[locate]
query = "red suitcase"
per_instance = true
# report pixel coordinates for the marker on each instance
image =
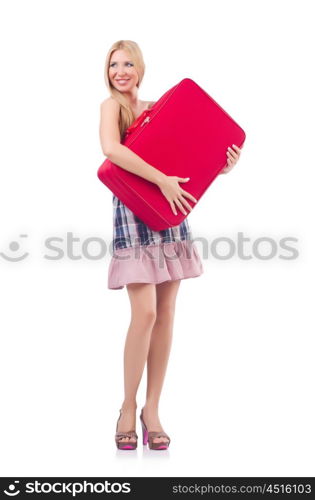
(185, 133)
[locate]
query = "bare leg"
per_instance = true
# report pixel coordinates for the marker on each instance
(143, 314)
(160, 346)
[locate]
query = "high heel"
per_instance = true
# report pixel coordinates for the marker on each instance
(125, 445)
(148, 436)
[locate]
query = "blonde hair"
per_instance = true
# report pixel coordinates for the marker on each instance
(126, 116)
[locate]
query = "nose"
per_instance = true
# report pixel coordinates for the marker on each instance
(120, 70)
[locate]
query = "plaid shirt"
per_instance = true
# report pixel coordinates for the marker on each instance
(130, 231)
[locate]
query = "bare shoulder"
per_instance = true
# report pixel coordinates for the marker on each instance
(109, 103)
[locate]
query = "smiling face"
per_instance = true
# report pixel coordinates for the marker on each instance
(122, 73)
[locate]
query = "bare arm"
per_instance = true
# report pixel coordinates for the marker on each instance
(118, 153)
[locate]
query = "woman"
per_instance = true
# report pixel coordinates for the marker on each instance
(150, 263)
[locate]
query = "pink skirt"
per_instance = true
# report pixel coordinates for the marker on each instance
(154, 264)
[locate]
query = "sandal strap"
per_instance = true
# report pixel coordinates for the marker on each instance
(126, 434)
(158, 434)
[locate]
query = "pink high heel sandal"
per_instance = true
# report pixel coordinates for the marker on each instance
(125, 445)
(148, 436)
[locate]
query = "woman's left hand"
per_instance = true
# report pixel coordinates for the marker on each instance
(233, 156)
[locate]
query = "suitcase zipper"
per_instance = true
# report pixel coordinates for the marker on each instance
(147, 119)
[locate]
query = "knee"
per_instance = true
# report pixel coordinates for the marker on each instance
(149, 315)
(146, 316)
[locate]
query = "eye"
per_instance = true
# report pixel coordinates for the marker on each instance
(112, 64)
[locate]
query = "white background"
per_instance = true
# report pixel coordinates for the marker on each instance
(238, 398)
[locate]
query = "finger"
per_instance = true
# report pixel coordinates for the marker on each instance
(183, 179)
(185, 203)
(233, 160)
(232, 153)
(178, 203)
(173, 208)
(229, 157)
(230, 164)
(188, 195)
(237, 148)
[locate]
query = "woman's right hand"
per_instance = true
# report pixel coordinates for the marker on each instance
(175, 194)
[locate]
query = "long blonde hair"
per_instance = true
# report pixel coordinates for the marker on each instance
(126, 116)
